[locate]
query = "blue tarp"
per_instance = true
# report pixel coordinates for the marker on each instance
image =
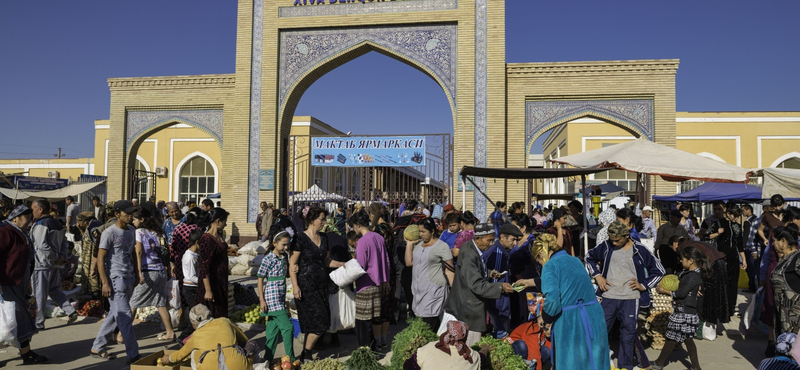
(711, 191)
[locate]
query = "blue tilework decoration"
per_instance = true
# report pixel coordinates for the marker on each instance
(208, 120)
(432, 46)
(481, 81)
(541, 116)
(372, 7)
(255, 110)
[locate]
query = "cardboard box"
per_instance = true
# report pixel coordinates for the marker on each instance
(185, 366)
(150, 362)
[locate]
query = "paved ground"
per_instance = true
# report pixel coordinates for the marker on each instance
(68, 347)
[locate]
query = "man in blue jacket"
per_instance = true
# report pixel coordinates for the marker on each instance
(627, 270)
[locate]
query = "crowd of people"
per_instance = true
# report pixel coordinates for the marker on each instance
(524, 278)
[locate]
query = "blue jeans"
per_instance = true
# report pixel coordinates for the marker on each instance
(120, 316)
(500, 322)
(752, 271)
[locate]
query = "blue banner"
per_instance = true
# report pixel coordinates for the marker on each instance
(40, 183)
(382, 151)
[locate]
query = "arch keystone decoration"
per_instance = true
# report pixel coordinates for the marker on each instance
(633, 115)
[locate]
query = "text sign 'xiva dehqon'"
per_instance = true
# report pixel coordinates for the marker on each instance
(394, 151)
(320, 2)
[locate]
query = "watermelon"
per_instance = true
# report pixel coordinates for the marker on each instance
(670, 282)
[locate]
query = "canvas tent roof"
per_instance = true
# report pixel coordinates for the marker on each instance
(528, 173)
(60, 194)
(647, 157)
(783, 181)
(315, 193)
(711, 191)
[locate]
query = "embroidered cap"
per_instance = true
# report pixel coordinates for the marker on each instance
(484, 229)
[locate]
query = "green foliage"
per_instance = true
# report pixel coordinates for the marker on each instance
(406, 342)
(329, 363)
(670, 282)
(362, 359)
(501, 355)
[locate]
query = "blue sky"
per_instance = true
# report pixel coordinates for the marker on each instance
(56, 57)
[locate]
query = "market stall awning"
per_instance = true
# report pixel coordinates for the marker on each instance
(529, 173)
(711, 191)
(59, 194)
(783, 181)
(646, 157)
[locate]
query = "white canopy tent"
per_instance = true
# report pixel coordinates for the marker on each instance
(58, 194)
(646, 157)
(784, 181)
(316, 194)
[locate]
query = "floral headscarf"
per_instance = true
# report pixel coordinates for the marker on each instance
(606, 218)
(455, 336)
(544, 244)
(784, 343)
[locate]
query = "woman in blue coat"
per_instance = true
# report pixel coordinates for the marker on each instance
(580, 338)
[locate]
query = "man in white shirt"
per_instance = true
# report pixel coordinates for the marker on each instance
(72, 213)
(649, 230)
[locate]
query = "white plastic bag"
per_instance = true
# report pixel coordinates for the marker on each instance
(709, 331)
(173, 293)
(343, 310)
(446, 317)
(174, 318)
(747, 318)
(346, 275)
(8, 323)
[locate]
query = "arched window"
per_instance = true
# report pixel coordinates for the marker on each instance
(792, 162)
(196, 180)
(142, 182)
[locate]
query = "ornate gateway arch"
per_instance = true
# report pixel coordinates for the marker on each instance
(283, 46)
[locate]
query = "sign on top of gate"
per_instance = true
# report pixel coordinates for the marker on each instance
(382, 151)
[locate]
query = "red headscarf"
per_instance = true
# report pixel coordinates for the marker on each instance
(455, 336)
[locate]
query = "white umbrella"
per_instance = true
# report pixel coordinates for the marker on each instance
(647, 157)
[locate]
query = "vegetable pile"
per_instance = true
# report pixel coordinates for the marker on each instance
(329, 363)
(406, 342)
(501, 355)
(362, 359)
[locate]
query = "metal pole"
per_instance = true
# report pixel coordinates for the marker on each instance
(585, 222)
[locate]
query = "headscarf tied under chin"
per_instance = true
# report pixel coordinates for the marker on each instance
(200, 315)
(543, 246)
(606, 218)
(455, 336)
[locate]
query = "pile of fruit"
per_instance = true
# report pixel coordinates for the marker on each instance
(148, 314)
(501, 355)
(329, 363)
(406, 342)
(285, 363)
(656, 324)
(250, 315)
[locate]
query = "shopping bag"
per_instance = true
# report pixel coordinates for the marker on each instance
(346, 275)
(709, 331)
(749, 314)
(8, 324)
(343, 310)
(446, 317)
(173, 294)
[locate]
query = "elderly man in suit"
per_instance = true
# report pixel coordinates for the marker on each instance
(471, 286)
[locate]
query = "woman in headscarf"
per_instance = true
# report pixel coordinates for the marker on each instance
(450, 352)
(580, 339)
(16, 264)
(606, 218)
(783, 359)
(215, 344)
(90, 282)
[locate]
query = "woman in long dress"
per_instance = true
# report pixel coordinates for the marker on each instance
(432, 274)
(580, 339)
(310, 281)
(212, 265)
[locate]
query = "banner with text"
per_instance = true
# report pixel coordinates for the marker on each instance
(384, 151)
